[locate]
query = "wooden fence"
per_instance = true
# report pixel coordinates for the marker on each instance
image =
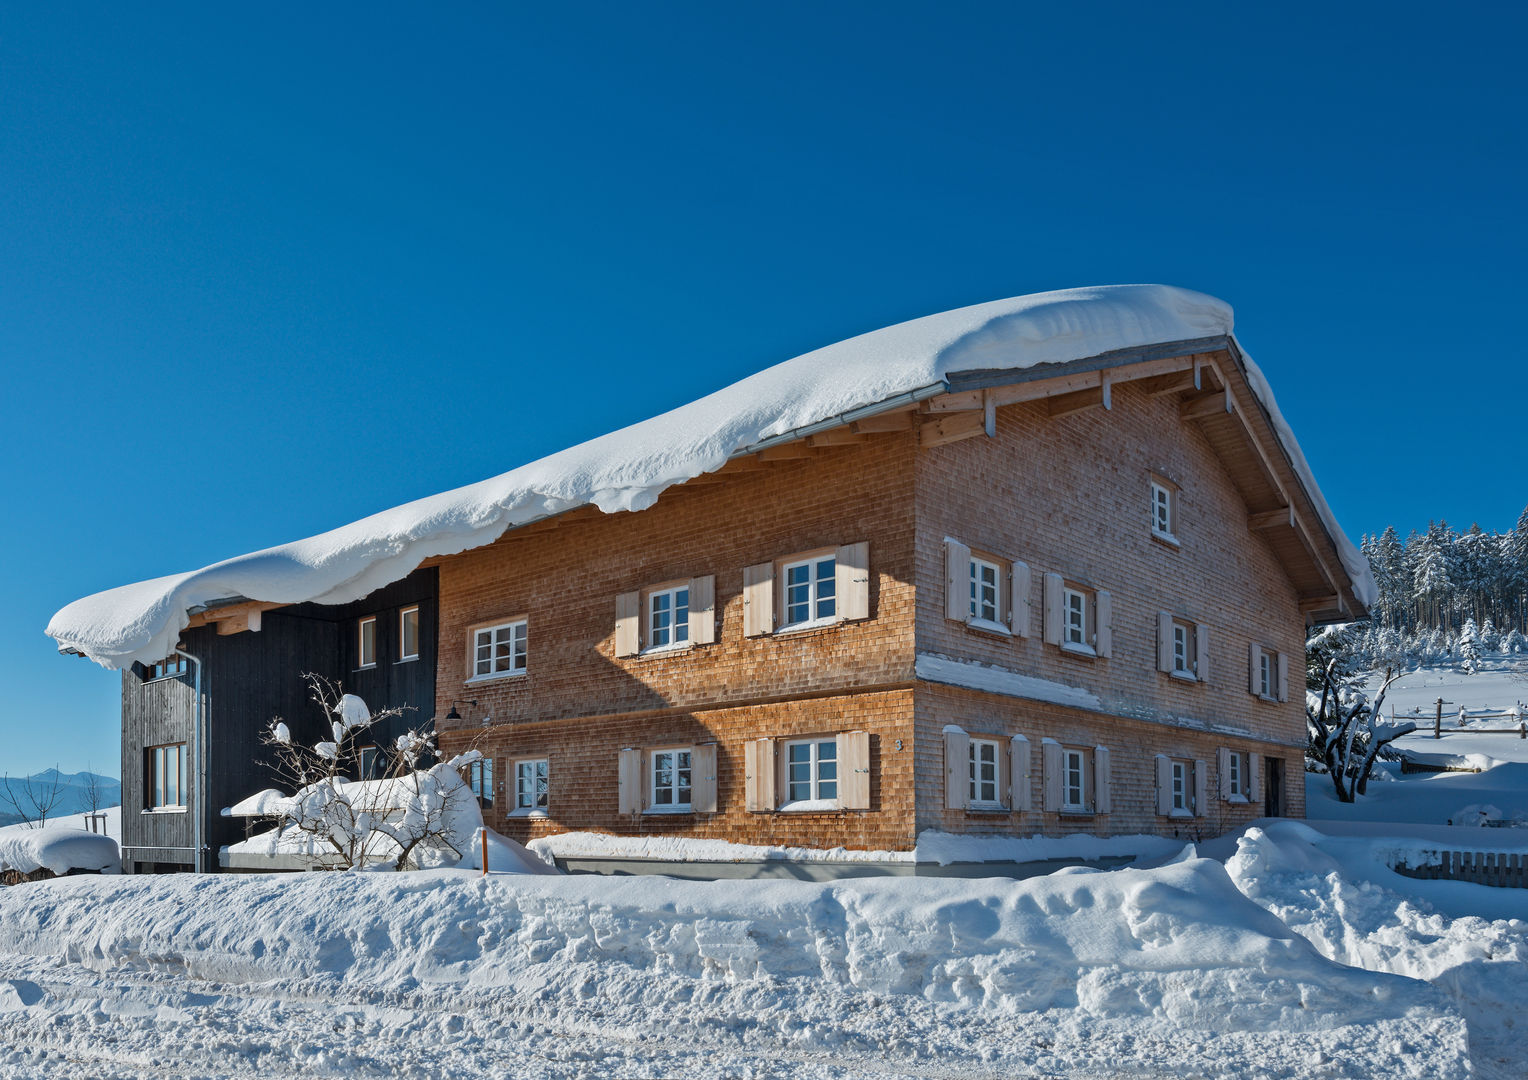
(1507, 870)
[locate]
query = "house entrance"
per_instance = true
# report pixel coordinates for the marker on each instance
(1273, 801)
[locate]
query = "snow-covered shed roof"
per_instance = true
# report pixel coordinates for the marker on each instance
(628, 469)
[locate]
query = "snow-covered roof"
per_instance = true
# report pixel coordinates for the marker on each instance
(628, 469)
(59, 848)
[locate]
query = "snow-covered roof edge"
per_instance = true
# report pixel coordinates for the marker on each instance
(628, 469)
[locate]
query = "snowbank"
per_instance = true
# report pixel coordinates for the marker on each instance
(629, 468)
(59, 848)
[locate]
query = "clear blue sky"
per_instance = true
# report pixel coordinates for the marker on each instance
(265, 269)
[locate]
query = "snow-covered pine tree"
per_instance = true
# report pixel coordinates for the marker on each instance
(1469, 647)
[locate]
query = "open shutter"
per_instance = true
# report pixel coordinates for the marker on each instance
(957, 580)
(1103, 799)
(1223, 760)
(1202, 652)
(852, 578)
(758, 600)
(1018, 773)
(854, 792)
(1164, 641)
(1201, 786)
(630, 781)
(1018, 601)
(1283, 676)
(759, 775)
(1254, 662)
(627, 638)
(703, 778)
(1050, 775)
(1164, 785)
(1053, 586)
(1103, 639)
(703, 610)
(1255, 778)
(957, 769)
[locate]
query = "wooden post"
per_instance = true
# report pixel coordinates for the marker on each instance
(1438, 721)
(485, 850)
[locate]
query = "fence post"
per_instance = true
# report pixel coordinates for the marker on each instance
(1438, 721)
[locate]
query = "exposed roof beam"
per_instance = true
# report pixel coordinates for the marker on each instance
(951, 427)
(1205, 405)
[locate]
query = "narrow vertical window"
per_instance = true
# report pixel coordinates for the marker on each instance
(1238, 784)
(1180, 791)
(480, 780)
(1265, 674)
(167, 776)
(1161, 510)
(408, 634)
(985, 605)
(531, 784)
(984, 772)
(1075, 613)
(1074, 773)
(366, 644)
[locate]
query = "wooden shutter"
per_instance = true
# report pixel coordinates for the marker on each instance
(1165, 785)
(703, 610)
(1223, 757)
(1018, 774)
(703, 778)
(1201, 785)
(1254, 658)
(1255, 778)
(1283, 676)
(851, 573)
(758, 600)
(630, 781)
(1053, 586)
(1164, 641)
(1050, 775)
(1103, 639)
(1201, 652)
(854, 749)
(1103, 799)
(957, 769)
(627, 620)
(759, 775)
(957, 580)
(1018, 602)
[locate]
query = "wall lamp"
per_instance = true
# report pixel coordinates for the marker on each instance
(453, 714)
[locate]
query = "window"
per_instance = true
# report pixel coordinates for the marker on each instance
(811, 771)
(1236, 774)
(531, 785)
(668, 617)
(985, 606)
(1267, 680)
(480, 780)
(408, 634)
(1078, 618)
(1074, 624)
(1182, 662)
(1182, 790)
(1074, 779)
(167, 777)
(671, 776)
(499, 650)
(810, 591)
(366, 645)
(984, 772)
(1268, 674)
(171, 667)
(1163, 510)
(366, 762)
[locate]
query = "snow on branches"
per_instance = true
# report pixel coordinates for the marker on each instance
(1347, 731)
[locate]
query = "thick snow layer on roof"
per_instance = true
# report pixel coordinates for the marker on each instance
(628, 469)
(59, 848)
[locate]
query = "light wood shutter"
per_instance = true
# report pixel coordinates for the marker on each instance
(1223, 760)
(851, 573)
(1018, 603)
(630, 781)
(703, 778)
(703, 610)
(1164, 785)
(1201, 786)
(1018, 773)
(1164, 641)
(1255, 778)
(1283, 676)
(627, 620)
(759, 775)
(1103, 798)
(957, 769)
(1103, 639)
(758, 600)
(1254, 664)
(1201, 652)
(1054, 584)
(854, 792)
(1050, 775)
(957, 580)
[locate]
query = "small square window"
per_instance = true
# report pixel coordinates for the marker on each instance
(810, 591)
(811, 770)
(408, 634)
(668, 617)
(366, 642)
(531, 785)
(499, 650)
(671, 780)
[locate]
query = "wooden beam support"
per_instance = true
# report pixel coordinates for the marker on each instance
(1203, 406)
(1324, 602)
(794, 451)
(964, 401)
(891, 421)
(233, 619)
(951, 427)
(1272, 519)
(1046, 388)
(836, 437)
(1174, 383)
(1078, 401)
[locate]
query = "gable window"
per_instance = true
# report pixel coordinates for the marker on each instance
(1164, 510)
(408, 633)
(668, 617)
(480, 780)
(811, 771)
(984, 769)
(1075, 767)
(366, 642)
(531, 785)
(499, 650)
(810, 592)
(166, 777)
(171, 667)
(985, 606)
(671, 780)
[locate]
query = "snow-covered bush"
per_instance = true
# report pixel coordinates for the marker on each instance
(1346, 730)
(1514, 643)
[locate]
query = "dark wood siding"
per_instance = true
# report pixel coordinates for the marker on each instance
(154, 713)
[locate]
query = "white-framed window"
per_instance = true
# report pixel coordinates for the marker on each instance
(1076, 766)
(1181, 772)
(365, 761)
(480, 780)
(531, 785)
(1074, 617)
(408, 633)
(366, 642)
(670, 780)
(1164, 511)
(985, 769)
(499, 650)
(810, 596)
(668, 617)
(167, 776)
(1236, 774)
(1183, 648)
(811, 771)
(986, 591)
(1268, 674)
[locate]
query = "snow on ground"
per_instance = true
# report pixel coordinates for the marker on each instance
(63, 844)
(1163, 972)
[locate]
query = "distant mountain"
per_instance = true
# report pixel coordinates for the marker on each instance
(74, 796)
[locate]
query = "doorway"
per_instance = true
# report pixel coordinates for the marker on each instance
(1273, 786)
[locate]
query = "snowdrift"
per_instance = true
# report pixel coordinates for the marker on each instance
(628, 469)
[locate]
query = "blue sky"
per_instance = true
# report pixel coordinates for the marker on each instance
(264, 270)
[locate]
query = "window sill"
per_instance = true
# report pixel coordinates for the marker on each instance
(1184, 676)
(988, 627)
(527, 812)
(405, 660)
(165, 810)
(1074, 649)
(495, 677)
(1180, 815)
(1076, 811)
(669, 810)
(665, 650)
(986, 808)
(1267, 699)
(366, 667)
(806, 806)
(802, 627)
(1167, 539)
(1240, 800)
